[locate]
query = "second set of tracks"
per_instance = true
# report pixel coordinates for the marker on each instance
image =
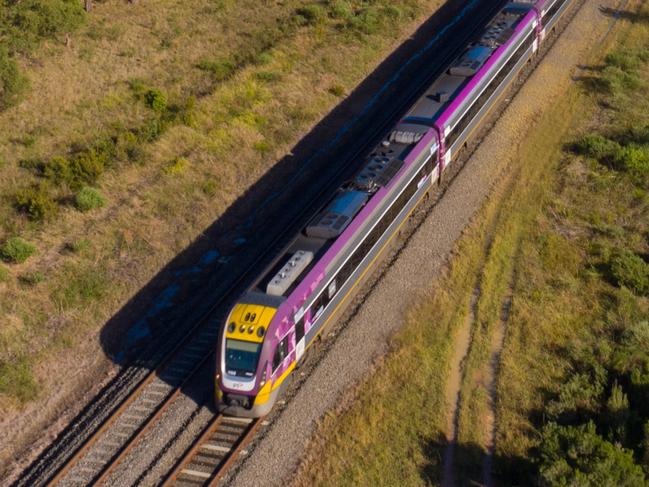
(97, 456)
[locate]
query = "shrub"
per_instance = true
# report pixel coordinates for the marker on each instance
(577, 455)
(156, 100)
(634, 159)
(340, 9)
(310, 15)
(28, 21)
(219, 69)
(78, 246)
(16, 250)
(631, 271)
(615, 80)
(32, 278)
(127, 147)
(12, 82)
(210, 187)
(88, 199)
(617, 414)
(151, 130)
(37, 202)
(84, 167)
(367, 21)
(337, 90)
(597, 147)
(177, 166)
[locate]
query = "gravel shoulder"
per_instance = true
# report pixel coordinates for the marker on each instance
(367, 336)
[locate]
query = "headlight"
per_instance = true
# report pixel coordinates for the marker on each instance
(262, 383)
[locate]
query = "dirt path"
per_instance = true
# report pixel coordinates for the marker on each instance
(453, 397)
(491, 381)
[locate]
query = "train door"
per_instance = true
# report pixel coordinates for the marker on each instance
(300, 339)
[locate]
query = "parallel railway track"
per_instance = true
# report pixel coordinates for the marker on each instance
(97, 457)
(208, 458)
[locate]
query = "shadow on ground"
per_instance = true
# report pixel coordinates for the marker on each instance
(631, 16)
(204, 279)
(469, 466)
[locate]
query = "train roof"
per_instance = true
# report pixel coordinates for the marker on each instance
(304, 264)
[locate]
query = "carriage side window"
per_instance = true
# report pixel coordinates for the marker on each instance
(280, 353)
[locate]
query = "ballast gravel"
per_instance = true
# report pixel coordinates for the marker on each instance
(365, 338)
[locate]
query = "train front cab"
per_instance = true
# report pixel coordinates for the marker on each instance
(244, 359)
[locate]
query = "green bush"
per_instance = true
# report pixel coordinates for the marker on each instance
(78, 246)
(88, 199)
(597, 147)
(156, 100)
(175, 167)
(340, 9)
(631, 271)
(37, 202)
(84, 167)
(616, 81)
(337, 90)
(12, 82)
(151, 130)
(16, 250)
(578, 456)
(26, 22)
(625, 60)
(219, 69)
(633, 159)
(310, 15)
(32, 278)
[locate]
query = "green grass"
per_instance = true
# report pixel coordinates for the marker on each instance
(89, 199)
(16, 250)
(17, 381)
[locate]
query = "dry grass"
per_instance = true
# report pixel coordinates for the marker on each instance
(239, 127)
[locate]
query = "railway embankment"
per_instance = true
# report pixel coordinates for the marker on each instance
(557, 358)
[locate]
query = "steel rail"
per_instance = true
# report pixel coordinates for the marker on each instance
(206, 452)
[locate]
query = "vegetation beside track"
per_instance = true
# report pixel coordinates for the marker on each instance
(108, 113)
(566, 238)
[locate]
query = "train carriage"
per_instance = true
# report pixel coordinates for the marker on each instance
(274, 323)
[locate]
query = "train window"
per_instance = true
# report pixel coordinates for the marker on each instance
(553, 10)
(379, 229)
(370, 240)
(489, 90)
(280, 353)
(299, 330)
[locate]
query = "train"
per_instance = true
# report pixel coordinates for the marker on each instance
(280, 316)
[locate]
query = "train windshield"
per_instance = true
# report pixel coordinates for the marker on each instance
(241, 357)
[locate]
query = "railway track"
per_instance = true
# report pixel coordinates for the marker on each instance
(97, 457)
(208, 458)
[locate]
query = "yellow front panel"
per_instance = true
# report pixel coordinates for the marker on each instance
(248, 317)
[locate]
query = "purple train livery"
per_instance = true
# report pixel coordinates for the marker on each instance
(280, 316)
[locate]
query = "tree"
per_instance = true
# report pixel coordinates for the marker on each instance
(577, 456)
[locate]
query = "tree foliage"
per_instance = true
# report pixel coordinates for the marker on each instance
(577, 456)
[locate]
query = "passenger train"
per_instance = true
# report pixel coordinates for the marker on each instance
(276, 321)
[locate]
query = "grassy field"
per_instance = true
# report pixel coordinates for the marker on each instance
(111, 112)
(563, 244)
